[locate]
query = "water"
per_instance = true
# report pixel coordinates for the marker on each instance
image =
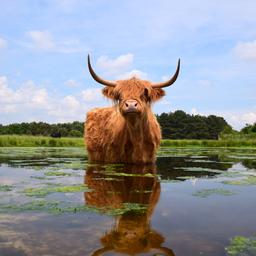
(192, 202)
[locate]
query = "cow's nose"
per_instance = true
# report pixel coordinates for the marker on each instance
(131, 105)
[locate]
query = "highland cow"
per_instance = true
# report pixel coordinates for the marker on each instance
(127, 132)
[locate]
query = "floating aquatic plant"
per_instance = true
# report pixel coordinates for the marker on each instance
(214, 191)
(58, 207)
(5, 188)
(57, 173)
(185, 177)
(250, 180)
(242, 246)
(38, 205)
(41, 192)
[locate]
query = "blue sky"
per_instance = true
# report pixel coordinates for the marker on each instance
(44, 44)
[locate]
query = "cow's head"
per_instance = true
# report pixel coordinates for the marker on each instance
(133, 96)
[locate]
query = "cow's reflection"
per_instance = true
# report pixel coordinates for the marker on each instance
(112, 188)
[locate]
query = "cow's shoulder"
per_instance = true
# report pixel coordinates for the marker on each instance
(100, 113)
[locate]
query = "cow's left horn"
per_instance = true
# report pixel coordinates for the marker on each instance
(170, 81)
(97, 78)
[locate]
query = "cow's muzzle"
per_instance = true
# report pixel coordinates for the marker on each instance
(131, 106)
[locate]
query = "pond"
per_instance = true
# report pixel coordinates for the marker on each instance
(192, 202)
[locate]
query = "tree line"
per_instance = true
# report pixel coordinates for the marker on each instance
(175, 125)
(249, 129)
(180, 125)
(74, 129)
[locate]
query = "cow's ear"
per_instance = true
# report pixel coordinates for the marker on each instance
(108, 92)
(156, 94)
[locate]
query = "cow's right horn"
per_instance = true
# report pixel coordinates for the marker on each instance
(97, 78)
(170, 81)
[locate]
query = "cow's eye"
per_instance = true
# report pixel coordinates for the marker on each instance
(117, 96)
(118, 99)
(146, 94)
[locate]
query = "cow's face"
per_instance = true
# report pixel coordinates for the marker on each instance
(133, 96)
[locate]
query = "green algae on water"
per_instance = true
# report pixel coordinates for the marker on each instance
(41, 192)
(41, 178)
(52, 207)
(58, 207)
(57, 173)
(38, 205)
(185, 177)
(127, 208)
(214, 191)
(5, 188)
(231, 174)
(248, 181)
(123, 174)
(241, 245)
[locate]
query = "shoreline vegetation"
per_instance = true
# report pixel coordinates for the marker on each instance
(43, 141)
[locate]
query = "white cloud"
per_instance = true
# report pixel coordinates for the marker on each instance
(44, 40)
(249, 117)
(40, 98)
(5, 92)
(3, 43)
(236, 119)
(41, 39)
(246, 50)
(194, 112)
(133, 73)
(120, 67)
(7, 108)
(239, 119)
(71, 103)
(67, 109)
(30, 102)
(115, 66)
(28, 94)
(90, 95)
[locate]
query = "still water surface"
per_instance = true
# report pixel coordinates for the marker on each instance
(192, 202)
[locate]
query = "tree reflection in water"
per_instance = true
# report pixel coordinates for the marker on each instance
(127, 185)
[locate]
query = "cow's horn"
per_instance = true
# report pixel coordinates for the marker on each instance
(170, 81)
(97, 78)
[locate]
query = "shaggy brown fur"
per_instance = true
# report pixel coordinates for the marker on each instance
(114, 136)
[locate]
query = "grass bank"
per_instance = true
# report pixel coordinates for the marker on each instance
(210, 143)
(41, 141)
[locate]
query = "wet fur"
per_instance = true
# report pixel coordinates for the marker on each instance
(112, 137)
